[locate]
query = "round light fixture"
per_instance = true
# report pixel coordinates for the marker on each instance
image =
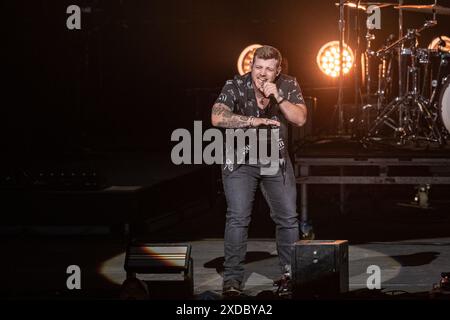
(328, 59)
(246, 58)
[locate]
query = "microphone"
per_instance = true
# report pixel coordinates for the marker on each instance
(272, 99)
(271, 96)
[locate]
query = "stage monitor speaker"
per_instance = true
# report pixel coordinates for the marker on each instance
(320, 268)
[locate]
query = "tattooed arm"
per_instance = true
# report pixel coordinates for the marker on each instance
(221, 116)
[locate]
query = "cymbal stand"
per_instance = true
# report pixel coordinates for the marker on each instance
(369, 56)
(400, 58)
(340, 101)
(385, 76)
(413, 108)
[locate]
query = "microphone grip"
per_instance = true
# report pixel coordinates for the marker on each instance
(272, 99)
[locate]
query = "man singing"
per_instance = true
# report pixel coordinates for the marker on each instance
(263, 98)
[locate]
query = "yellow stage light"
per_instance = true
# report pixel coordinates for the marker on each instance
(246, 58)
(328, 59)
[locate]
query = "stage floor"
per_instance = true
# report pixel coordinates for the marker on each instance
(36, 267)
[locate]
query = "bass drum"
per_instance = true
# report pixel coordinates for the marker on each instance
(444, 103)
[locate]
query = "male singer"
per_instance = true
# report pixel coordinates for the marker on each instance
(263, 98)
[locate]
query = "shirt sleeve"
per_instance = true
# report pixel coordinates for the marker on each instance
(229, 95)
(294, 93)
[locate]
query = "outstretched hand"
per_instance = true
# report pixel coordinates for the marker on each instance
(265, 122)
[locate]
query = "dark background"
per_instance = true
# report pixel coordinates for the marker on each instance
(139, 69)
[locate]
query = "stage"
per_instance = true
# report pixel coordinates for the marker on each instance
(409, 269)
(107, 140)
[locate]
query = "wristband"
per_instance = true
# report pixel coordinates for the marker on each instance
(283, 99)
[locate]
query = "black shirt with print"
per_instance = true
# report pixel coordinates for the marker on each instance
(239, 95)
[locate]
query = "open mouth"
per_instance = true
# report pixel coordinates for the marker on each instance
(261, 81)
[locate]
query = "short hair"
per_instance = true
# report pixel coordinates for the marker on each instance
(268, 52)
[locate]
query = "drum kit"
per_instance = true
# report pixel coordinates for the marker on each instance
(416, 108)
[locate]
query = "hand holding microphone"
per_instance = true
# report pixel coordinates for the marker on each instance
(270, 90)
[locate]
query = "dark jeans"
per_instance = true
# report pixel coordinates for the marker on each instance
(240, 187)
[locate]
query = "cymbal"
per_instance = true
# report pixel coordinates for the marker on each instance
(426, 9)
(364, 5)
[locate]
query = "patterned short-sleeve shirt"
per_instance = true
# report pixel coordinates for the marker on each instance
(239, 95)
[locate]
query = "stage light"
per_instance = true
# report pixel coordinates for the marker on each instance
(157, 258)
(150, 261)
(328, 59)
(246, 57)
(440, 43)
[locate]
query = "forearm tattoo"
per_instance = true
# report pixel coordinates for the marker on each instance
(229, 119)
